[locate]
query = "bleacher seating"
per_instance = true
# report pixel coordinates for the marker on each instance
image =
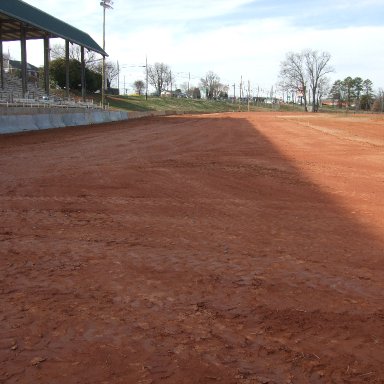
(13, 89)
(12, 95)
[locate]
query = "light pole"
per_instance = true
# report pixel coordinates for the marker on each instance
(106, 4)
(146, 78)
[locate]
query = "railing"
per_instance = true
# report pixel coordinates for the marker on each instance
(32, 103)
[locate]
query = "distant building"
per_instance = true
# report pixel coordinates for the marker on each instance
(13, 66)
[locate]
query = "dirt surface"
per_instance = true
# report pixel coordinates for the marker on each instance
(233, 248)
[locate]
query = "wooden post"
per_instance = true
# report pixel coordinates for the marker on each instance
(83, 84)
(23, 46)
(249, 93)
(1, 57)
(46, 64)
(67, 69)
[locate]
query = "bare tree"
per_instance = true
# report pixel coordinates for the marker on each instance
(223, 91)
(139, 86)
(58, 52)
(187, 88)
(111, 71)
(323, 89)
(170, 82)
(378, 104)
(316, 65)
(159, 76)
(300, 69)
(293, 75)
(212, 84)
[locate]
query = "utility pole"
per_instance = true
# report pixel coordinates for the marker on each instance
(241, 90)
(105, 4)
(249, 92)
(146, 78)
(257, 96)
(234, 92)
(118, 76)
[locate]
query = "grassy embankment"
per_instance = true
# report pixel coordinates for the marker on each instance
(138, 103)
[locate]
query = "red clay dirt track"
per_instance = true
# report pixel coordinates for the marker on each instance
(232, 248)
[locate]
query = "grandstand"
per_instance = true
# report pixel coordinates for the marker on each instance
(23, 104)
(11, 92)
(11, 95)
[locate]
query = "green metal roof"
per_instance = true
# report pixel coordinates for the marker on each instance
(15, 13)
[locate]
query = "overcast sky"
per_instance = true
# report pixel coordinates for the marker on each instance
(232, 38)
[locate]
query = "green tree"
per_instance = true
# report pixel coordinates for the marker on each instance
(353, 90)
(358, 88)
(337, 93)
(58, 75)
(58, 52)
(349, 90)
(196, 94)
(368, 95)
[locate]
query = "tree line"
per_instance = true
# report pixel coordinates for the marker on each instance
(304, 73)
(353, 92)
(160, 77)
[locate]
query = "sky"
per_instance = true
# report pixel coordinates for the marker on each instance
(236, 39)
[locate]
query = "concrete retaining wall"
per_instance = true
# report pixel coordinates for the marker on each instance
(37, 121)
(13, 123)
(34, 110)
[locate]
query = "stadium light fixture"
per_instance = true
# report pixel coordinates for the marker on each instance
(106, 4)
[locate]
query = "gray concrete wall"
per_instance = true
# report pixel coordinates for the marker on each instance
(12, 123)
(34, 110)
(36, 120)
